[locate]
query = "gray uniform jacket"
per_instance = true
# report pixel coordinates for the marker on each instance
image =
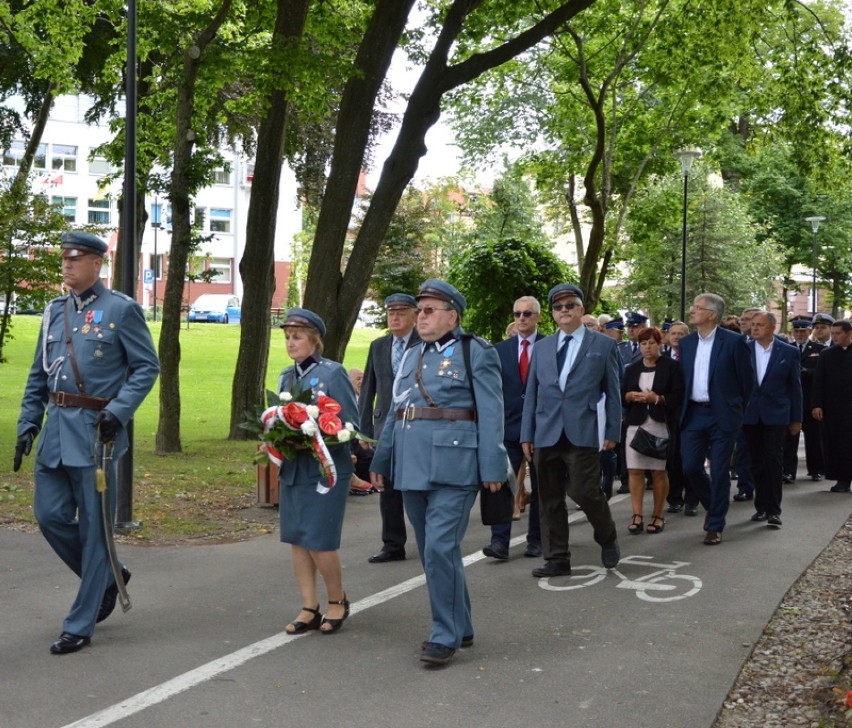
(116, 358)
(424, 454)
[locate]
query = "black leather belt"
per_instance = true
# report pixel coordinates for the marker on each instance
(66, 399)
(435, 413)
(700, 404)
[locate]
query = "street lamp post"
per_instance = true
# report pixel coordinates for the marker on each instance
(686, 158)
(815, 221)
(156, 223)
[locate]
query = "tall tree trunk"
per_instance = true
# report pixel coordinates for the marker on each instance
(257, 266)
(337, 296)
(168, 428)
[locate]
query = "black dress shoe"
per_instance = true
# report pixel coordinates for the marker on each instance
(552, 567)
(497, 550)
(68, 643)
(741, 495)
(623, 489)
(787, 479)
(436, 654)
(690, 510)
(774, 521)
(759, 516)
(110, 596)
(840, 487)
(384, 556)
(533, 551)
(610, 554)
(675, 508)
(816, 477)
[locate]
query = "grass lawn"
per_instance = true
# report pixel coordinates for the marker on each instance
(207, 492)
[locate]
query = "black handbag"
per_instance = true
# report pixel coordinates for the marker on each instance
(651, 445)
(496, 508)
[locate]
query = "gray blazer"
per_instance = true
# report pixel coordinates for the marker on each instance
(549, 411)
(375, 398)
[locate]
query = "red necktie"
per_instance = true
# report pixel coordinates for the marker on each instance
(524, 361)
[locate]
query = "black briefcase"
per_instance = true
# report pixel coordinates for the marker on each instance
(496, 508)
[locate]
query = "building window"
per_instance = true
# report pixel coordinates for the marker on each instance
(100, 166)
(99, 212)
(223, 266)
(156, 263)
(199, 218)
(220, 220)
(15, 153)
(67, 207)
(64, 157)
(221, 176)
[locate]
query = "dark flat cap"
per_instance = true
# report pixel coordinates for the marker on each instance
(443, 291)
(397, 300)
(304, 318)
(564, 289)
(79, 242)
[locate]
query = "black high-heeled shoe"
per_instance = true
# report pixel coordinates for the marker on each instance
(300, 627)
(336, 624)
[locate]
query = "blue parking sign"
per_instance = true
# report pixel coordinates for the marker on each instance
(148, 276)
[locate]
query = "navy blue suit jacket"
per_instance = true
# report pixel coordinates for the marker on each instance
(777, 400)
(513, 389)
(731, 379)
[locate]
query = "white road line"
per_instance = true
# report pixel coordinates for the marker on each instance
(180, 684)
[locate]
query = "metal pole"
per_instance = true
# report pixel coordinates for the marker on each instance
(124, 490)
(155, 223)
(813, 284)
(683, 251)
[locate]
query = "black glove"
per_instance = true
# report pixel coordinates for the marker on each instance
(23, 447)
(108, 426)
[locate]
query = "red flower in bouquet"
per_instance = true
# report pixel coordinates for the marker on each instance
(295, 414)
(329, 423)
(327, 405)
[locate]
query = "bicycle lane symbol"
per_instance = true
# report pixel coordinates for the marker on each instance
(663, 585)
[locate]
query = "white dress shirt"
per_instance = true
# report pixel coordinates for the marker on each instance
(701, 372)
(761, 360)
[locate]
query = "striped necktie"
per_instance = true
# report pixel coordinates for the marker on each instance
(398, 350)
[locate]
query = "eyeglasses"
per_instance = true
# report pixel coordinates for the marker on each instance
(429, 310)
(696, 307)
(525, 314)
(569, 306)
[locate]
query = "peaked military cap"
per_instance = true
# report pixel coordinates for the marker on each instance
(443, 291)
(564, 289)
(823, 318)
(304, 318)
(397, 300)
(634, 318)
(79, 242)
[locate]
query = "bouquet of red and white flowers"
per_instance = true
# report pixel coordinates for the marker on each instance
(296, 423)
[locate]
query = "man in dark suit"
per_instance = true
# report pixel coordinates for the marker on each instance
(561, 433)
(832, 405)
(719, 379)
(515, 355)
(629, 350)
(374, 402)
(773, 410)
(802, 327)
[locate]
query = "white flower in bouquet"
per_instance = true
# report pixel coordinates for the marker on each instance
(344, 435)
(285, 397)
(349, 426)
(313, 411)
(309, 428)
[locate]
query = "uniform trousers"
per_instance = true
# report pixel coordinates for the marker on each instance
(67, 508)
(439, 518)
(568, 469)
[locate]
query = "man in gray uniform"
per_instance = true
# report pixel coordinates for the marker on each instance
(94, 364)
(442, 442)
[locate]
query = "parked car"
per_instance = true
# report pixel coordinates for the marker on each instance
(221, 308)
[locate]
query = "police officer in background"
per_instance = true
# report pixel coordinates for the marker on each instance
(94, 364)
(442, 442)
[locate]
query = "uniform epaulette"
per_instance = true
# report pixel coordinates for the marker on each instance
(476, 337)
(121, 295)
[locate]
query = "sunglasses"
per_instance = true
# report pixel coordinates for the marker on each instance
(429, 310)
(569, 306)
(525, 314)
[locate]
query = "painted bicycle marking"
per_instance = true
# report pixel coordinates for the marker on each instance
(663, 585)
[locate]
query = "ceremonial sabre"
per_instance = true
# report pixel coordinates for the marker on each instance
(105, 449)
